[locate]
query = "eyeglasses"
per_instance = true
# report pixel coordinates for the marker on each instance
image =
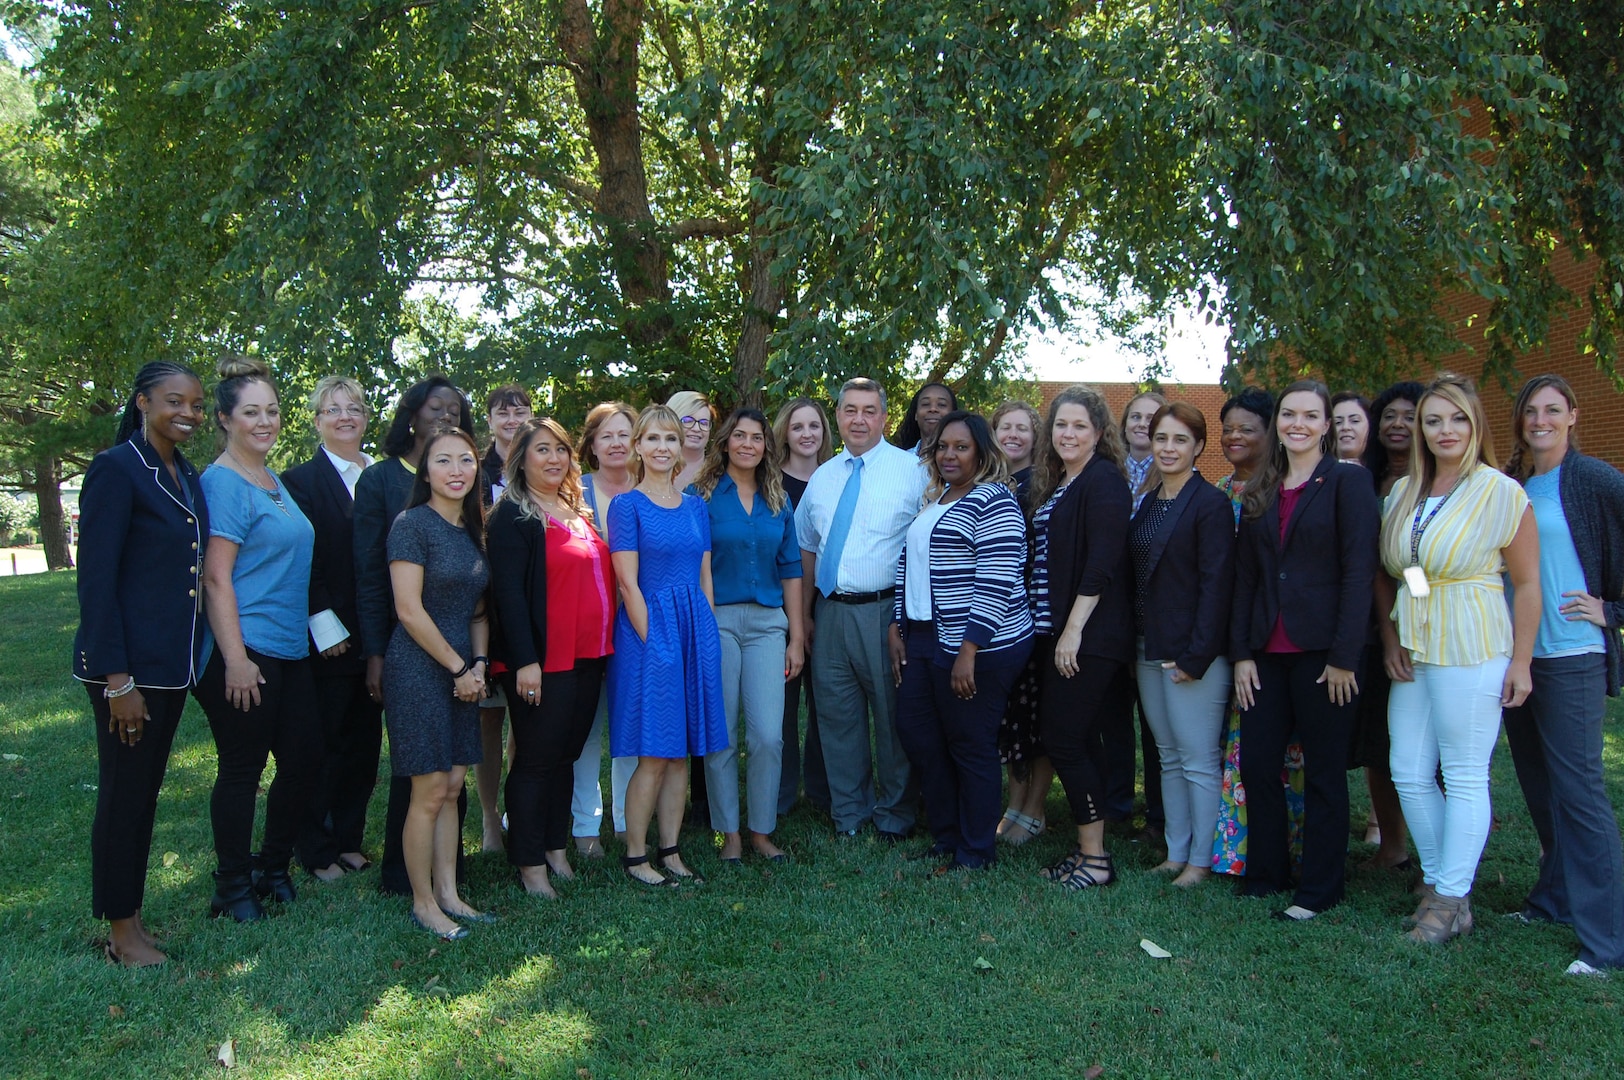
(696, 421)
(335, 411)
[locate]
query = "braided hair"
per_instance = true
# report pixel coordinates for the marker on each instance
(146, 379)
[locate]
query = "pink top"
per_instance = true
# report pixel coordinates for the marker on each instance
(1278, 641)
(580, 605)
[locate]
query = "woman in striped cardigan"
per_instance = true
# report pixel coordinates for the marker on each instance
(962, 617)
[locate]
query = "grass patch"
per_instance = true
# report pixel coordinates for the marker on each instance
(849, 961)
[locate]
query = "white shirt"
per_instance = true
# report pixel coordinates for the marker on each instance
(348, 471)
(893, 487)
(916, 582)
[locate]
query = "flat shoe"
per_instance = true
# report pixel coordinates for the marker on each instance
(481, 917)
(629, 861)
(355, 868)
(450, 935)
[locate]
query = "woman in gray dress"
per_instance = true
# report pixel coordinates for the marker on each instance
(434, 669)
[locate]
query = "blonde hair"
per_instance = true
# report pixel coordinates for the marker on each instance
(337, 384)
(654, 416)
(769, 481)
(685, 402)
(517, 490)
(1460, 392)
(595, 419)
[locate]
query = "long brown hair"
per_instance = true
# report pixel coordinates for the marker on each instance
(1519, 464)
(769, 478)
(1264, 486)
(1048, 468)
(517, 490)
(780, 431)
(473, 509)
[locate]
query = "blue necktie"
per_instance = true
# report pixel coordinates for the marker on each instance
(829, 563)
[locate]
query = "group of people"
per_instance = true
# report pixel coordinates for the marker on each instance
(1365, 588)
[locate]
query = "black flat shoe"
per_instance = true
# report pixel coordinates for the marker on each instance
(629, 861)
(684, 874)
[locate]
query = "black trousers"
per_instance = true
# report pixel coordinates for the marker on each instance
(548, 735)
(285, 724)
(952, 743)
(352, 736)
(127, 782)
(1070, 712)
(392, 878)
(1117, 733)
(1290, 702)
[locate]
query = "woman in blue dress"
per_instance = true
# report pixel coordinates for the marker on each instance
(665, 700)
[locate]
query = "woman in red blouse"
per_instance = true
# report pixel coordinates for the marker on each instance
(553, 587)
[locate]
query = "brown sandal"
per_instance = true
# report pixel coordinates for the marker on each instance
(1444, 918)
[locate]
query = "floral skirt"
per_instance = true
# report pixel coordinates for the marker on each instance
(1229, 842)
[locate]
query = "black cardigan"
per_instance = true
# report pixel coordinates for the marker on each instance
(1320, 579)
(140, 558)
(320, 492)
(1088, 556)
(380, 496)
(1191, 578)
(517, 548)
(1592, 494)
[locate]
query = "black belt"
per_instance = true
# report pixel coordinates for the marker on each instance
(861, 597)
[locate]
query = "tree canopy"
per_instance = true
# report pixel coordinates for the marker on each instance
(630, 196)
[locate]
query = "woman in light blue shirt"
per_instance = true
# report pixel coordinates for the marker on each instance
(257, 689)
(756, 572)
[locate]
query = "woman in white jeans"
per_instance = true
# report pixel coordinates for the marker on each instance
(1451, 528)
(756, 573)
(1182, 542)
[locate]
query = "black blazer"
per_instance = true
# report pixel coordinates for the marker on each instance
(380, 496)
(517, 548)
(1088, 556)
(1192, 578)
(140, 563)
(321, 494)
(1320, 579)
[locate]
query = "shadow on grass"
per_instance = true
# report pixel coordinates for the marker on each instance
(851, 960)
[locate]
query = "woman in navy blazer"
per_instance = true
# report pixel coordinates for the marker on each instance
(351, 722)
(142, 527)
(1305, 563)
(1083, 608)
(1182, 542)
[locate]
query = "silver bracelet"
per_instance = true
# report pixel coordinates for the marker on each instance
(109, 693)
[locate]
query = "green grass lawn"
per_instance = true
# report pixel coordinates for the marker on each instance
(850, 961)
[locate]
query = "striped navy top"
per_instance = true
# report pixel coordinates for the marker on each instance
(977, 588)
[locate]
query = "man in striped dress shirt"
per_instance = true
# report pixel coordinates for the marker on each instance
(852, 522)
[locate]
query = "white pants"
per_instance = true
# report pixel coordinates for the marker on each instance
(586, 807)
(1449, 717)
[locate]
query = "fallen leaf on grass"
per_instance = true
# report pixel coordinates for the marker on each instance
(170, 859)
(738, 907)
(226, 1056)
(989, 939)
(1537, 1043)
(115, 1011)
(1153, 949)
(983, 964)
(1093, 1072)
(13, 757)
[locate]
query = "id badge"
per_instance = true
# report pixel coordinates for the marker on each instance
(1415, 579)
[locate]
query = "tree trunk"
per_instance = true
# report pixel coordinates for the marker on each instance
(53, 533)
(761, 310)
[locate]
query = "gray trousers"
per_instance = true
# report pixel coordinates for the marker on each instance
(851, 678)
(1187, 720)
(753, 640)
(1556, 745)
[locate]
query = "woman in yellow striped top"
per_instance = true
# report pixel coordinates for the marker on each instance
(1451, 528)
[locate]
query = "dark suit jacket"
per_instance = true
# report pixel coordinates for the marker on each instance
(380, 496)
(1088, 556)
(321, 494)
(1320, 579)
(517, 548)
(140, 562)
(1191, 579)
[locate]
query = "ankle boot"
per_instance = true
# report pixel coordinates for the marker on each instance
(234, 896)
(275, 883)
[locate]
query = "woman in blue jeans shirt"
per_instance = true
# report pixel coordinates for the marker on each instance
(756, 573)
(1556, 734)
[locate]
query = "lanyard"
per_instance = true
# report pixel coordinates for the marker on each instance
(1418, 527)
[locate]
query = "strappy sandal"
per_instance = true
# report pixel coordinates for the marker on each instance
(629, 861)
(683, 874)
(1057, 870)
(1009, 819)
(1085, 874)
(1031, 827)
(1445, 918)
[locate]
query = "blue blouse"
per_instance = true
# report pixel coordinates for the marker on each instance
(752, 554)
(271, 575)
(1559, 572)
